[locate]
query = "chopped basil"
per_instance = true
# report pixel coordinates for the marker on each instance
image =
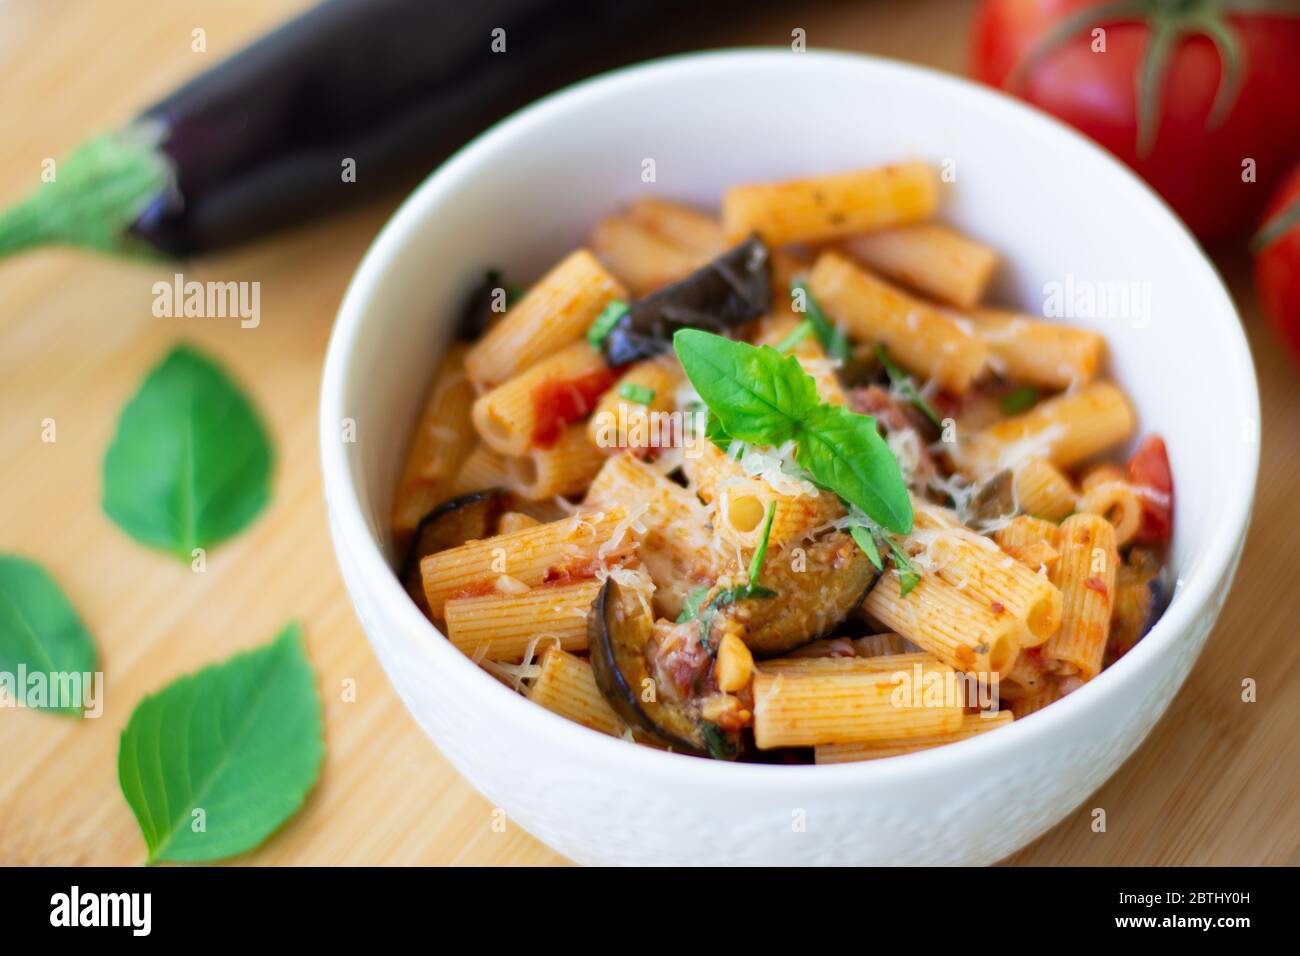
(726, 598)
(799, 333)
(605, 322)
(636, 393)
(760, 553)
(691, 610)
(1019, 400)
(867, 542)
(832, 339)
(903, 383)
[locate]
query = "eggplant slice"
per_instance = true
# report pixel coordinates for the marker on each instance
(618, 634)
(809, 604)
(733, 289)
(467, 518)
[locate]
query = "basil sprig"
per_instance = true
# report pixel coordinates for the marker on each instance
(741, 592)
(903, 382)
(832, 339)
(759, 395)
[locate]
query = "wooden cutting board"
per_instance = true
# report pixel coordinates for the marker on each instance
(1218, 782)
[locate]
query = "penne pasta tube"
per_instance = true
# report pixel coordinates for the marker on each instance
(1024, 529)
(740, 502)
(532, 409)
(1065, 430)
(1085, 574)
(920, 337)
(1022, 707)
(482, 469)
(880, 645)
(971, 726)
(807, 709)
(982, 572)
(883, 664)
(642, 260)
(573, 547)
(825, 647)
(625, 415)
(828, 207)
(929, 257)
(1026, 678)
(512, 521)
(500, 626)
(443, 439)
(1117, 502)
(1099, 475)
(1031, 541)
(1040, 353)
(565, 468)
(683, 226)
(1042, 490)
(567, 686)
(675, 546)
(959, 630)
(555, 312)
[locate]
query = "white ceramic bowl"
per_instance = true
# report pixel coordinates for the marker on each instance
(527, 191)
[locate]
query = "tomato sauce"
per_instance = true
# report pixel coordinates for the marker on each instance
(558, 403)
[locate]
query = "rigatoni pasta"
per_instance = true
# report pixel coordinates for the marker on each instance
(725, 488)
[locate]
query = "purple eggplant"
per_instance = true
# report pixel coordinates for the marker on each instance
(734, 288)
(268, 137)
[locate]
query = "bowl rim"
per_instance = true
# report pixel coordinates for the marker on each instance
(1189, 599)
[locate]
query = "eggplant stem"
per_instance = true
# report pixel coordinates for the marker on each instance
(94, 197)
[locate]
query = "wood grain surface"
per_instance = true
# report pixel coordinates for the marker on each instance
(1218, 782)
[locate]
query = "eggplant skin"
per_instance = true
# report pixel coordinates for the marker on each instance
(450, 524)
(733, 289)
(618, 630)
(809, 604)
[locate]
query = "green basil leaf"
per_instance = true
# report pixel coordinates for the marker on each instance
(760, 552)
(605, 322)
(800, 332)
(758, 394)
(714, 432)
(636, 393)
(867, 542)
(742, 592)
(716, 742)
(691, 609)
(903, 382)
(1019, 400)
(213, 763)
(42, 634)
(908, 576)
(832, 339)
(843, 452)
(190, 464)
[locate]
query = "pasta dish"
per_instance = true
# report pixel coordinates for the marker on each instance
(778, 484)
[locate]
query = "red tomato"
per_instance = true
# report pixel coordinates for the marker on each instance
(1277, 264)
(1195, 159)
(1148, 470)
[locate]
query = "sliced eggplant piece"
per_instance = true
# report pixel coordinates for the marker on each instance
(994, 499)
(732, 289)
(619, 632)
(477, 314)
(811, 603)
(468, 518)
